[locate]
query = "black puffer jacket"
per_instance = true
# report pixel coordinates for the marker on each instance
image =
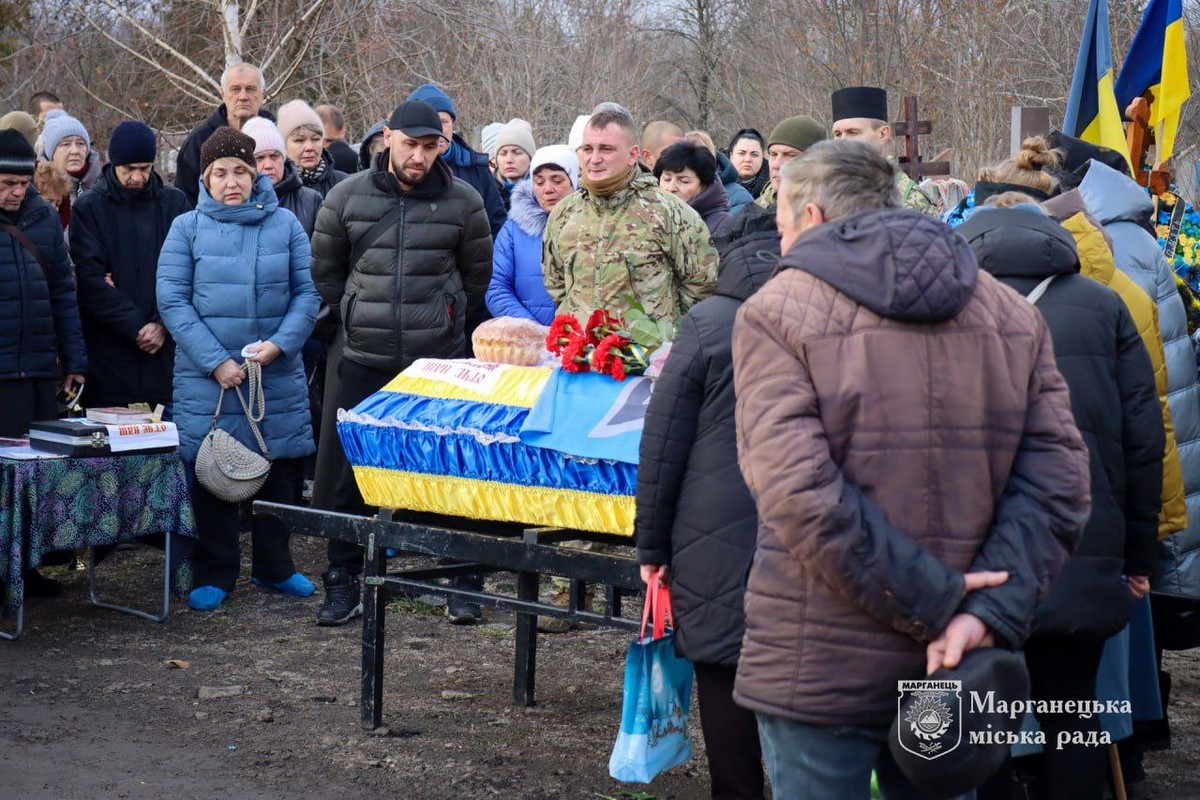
(117, 233)
(40, 334)
(1107, 369)
(409, 295)
(694, 511)
(298, 198)
(187, 167)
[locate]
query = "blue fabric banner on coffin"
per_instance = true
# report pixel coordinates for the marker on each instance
(589, 415)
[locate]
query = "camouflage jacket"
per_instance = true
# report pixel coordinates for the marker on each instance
(912, 196)
(767, 198)
(641, 242)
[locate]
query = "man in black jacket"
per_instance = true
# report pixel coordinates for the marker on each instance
(344, 158)
(117, 229)
(41, 343)
(243, 89)
(386, 216)
(695, 517)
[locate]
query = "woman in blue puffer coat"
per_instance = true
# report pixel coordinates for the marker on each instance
(517, 288)
(235, 273)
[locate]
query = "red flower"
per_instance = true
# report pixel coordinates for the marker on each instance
(600, 324)
(574, 354)
(604, 351)
(561, 329)
(616, 369)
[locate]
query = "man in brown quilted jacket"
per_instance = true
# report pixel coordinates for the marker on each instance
(910, 445)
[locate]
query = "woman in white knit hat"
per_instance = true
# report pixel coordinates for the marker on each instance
(514, 150)
(303, 134)
(517, 289)
(270, 153)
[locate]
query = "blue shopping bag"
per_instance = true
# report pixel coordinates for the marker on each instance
(658, 695)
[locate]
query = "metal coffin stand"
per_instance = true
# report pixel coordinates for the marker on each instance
(528, 552)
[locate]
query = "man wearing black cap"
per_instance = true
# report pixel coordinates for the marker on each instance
(861, 112)
(402, 252)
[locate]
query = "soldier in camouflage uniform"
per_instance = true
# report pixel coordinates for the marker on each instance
(788, 141)
(860, 112)
(622, 238)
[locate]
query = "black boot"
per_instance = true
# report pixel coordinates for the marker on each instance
(343, 597)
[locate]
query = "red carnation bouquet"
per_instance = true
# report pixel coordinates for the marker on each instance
(602, 345)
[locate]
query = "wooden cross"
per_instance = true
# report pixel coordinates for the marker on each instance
(911, 127)
(1138, 137)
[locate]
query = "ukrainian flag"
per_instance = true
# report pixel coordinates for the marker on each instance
(1157, 62)
(1092, 112)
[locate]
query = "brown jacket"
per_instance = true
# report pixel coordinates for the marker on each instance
(900, 421)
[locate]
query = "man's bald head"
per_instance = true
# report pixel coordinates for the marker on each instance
(656, 137)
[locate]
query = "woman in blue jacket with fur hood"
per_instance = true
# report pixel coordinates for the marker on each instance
(517, 288)
(235, 273)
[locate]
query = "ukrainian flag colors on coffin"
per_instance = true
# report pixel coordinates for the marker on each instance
(444, 437)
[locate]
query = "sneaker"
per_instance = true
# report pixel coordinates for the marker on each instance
(296, 586)
(38, 585)
(206, 598)
(461, 612)
(343, 597)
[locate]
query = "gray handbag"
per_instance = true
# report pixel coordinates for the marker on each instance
(228, 469)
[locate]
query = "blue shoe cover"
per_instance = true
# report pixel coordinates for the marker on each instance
(296, 586)
(206, 598)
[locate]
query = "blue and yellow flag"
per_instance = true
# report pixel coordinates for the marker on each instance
(1157, 62)
(1092, 111)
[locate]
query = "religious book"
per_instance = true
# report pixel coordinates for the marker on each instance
(119, 415)
(81, 438)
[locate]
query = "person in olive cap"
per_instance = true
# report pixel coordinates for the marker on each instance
(861, 112)
(418, 234)
(788, 141)
(117, 231)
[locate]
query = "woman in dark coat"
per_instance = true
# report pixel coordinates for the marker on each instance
(118, 230)
(1107, 369)
(696, 521)
(689, 171)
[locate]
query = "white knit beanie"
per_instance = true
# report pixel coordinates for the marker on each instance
(297, 114)
(557, 155)
(575, 138)
(487, 138)
(265, 135)
(517, 133)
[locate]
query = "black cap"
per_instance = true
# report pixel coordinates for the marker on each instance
(16, 156)
(931, 740)
(856, 102)
(416, 118)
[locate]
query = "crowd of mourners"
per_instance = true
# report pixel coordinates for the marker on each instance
(896, 425)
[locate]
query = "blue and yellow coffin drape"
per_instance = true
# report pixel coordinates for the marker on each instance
(456, 437)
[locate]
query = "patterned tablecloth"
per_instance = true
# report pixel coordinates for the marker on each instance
(68, 503)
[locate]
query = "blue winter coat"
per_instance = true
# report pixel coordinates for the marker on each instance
(1122, 207)
(517, 288)
(472, 167)
(40, 333)
(229, 276)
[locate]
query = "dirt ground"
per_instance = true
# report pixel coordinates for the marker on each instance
(90, 707)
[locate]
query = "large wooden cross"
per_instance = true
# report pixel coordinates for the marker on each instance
(908, 129)
(1138, 136)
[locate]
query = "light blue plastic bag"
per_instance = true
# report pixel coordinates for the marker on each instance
(658, 694)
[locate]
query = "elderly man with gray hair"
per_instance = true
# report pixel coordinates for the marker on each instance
(243, 90)
(919, 479)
